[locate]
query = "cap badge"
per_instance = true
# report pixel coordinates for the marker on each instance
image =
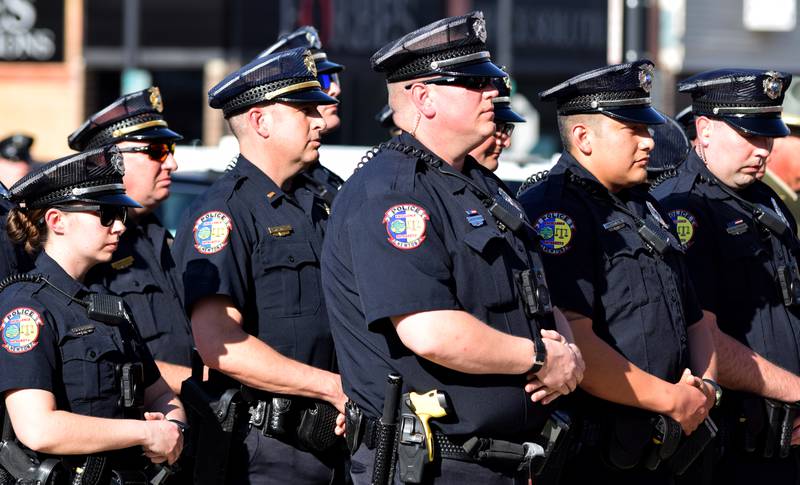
(155, 99)
(479, 27)
(310, 38)
(310, 64)
(646, 77)
(118, 162)
(773, 85)
(507, 82)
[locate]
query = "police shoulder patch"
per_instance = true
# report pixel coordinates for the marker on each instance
(212, 231)
(20, 330)
(556, 230)
(686, 224)
(406, 225)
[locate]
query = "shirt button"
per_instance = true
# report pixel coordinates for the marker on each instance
(92, 354)
(291, 259)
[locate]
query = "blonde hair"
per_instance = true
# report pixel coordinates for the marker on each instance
(25, 227)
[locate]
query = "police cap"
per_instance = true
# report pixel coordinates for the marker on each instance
(135, 116)
(17, 148)
(747, 99)
(287, 76)
(502, 103)
(671, 146)
(455, 46)
(621, 91)
(93, 176)
(685, 118)
(306, 37)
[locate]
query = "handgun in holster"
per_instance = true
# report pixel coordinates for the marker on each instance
(215, 409)
(18, 465)
(556, 440)
(415, 444)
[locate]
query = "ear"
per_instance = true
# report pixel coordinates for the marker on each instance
(704, 128)
(55, 221)
(259, 118)
(421, 97)
(582, 138)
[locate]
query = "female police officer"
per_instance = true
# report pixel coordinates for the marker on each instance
(75, 376)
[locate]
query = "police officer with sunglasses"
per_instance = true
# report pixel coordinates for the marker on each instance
(142, 269)
(319, 178)
(78, 383)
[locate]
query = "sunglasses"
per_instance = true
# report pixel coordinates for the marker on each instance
(505, 128)
(156, 151)
(472, 82)
(108, 213)
(325, 80)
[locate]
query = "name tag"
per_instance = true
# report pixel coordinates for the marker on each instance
(280, 231)
(122, 263)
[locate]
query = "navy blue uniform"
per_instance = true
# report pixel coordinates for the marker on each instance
(733, 263)
(597, 265)
(404, 238)
(51, 344)
(12, 257)
(247, 239)
(322, 182)
(144, 274)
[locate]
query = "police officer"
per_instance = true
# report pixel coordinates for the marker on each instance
(628, 298)
(15, 160)
(249, 255)
(670, 148)
(76, 377)
(783, 165)
(488, 152)
(142, 270)
(741, 253)
(419, 275)
(319, 178)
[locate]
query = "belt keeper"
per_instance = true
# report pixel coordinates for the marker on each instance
(532, 450)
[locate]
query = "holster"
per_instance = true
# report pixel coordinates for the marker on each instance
(767, 426)
(304, 423)
(214, 411)
(556, 439)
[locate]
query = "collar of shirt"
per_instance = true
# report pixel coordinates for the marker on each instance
(695, 168)
(261, 182)
(56, 275)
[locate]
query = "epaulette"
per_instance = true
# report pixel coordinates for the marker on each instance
(532, 180)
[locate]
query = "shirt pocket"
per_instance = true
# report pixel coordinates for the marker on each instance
(89, 371)
(625, 274)
(289, 281)
(484, 263)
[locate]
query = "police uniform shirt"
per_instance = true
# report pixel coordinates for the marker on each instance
(598, 266)
(403, 239)
(247, 239)
(49, 343)
(143, 272)
(323, 182)
(733, 261)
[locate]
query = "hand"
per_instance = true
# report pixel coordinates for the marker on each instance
(561, 373)
(691, 403)
(163, 439)
(339, 430)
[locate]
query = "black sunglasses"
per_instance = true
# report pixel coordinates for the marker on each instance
(325, 80)
(156, 151)
(505, 128)
(471, 82)
(108, 213)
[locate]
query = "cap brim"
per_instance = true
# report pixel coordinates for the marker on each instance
(758, 126)
(645, 115)
(315, 96)
(475, 69)
(328, 67)
(154, 133)
(507, 115)
(115, 199)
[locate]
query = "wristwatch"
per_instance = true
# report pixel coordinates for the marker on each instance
(717, 391)
(181, 426)
(539, 355)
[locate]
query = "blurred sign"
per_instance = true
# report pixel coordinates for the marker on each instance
(770, 15)
(32, 30)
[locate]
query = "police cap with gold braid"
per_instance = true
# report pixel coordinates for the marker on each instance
(287, 76)
(455, 46)
(620, 91)
(135, 116)
(308, 38)
(93, 176)
(747, 99)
